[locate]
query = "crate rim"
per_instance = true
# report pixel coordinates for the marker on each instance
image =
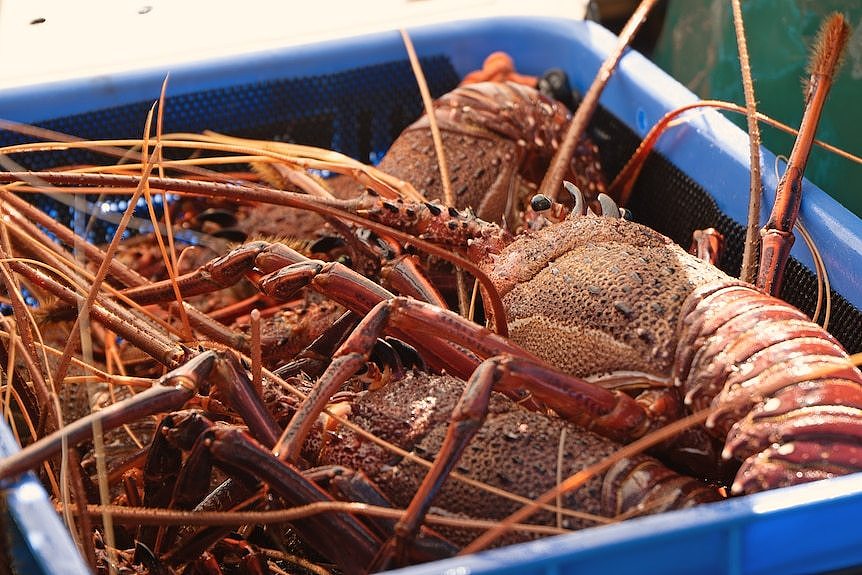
(45, 544)
(737, 519)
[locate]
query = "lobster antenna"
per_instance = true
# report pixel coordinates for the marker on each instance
(553, 179)
(169, 252)
(448, 196)
(777, 234)
(621, 188)
(256, 353)
(749, 266)
(828, 52)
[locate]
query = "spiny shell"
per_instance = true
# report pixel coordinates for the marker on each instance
(515, 450)
(627, 282)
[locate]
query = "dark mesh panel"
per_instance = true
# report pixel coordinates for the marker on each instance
(360, 112)
(353, 111)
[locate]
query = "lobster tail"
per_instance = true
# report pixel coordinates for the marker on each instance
(787, 400)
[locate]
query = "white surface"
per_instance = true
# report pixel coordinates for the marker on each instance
(50, 40)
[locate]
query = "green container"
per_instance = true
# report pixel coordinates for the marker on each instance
(698, 47)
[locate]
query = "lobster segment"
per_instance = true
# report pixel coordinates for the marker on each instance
(797, 461)
(788, 399)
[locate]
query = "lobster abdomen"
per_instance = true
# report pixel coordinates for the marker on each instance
(789, 402)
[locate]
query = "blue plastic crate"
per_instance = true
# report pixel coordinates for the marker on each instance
(39, 541)
(809, 528)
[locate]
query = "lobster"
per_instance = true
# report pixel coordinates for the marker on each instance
(649, 311)
(499, 138)
(420, 413)
(514, 449)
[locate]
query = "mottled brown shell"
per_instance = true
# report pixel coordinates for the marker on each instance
(497, 137)
(626, 281)
(515, 450)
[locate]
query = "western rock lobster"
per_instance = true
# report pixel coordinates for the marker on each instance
(499, 137)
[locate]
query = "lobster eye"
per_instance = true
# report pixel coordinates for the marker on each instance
(555, 84)
(325, 244)
(231, 234)
(223, 218)
(540, 203)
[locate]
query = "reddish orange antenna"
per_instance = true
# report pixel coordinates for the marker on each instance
(828, 51)
(777, 234)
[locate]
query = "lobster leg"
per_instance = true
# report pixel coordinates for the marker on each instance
(167, 394)
(160, 472)
(359, 294)
(288, 271)
(234, 383)
(348, 542)
(190, 543)
(268, 257)
(351, 485)
(113, 316)
(187, 490)
(467, 417)
(203, 323)
(402, 274)
(217, 274)
(315, 357)
(27, 216)
(341, 537)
